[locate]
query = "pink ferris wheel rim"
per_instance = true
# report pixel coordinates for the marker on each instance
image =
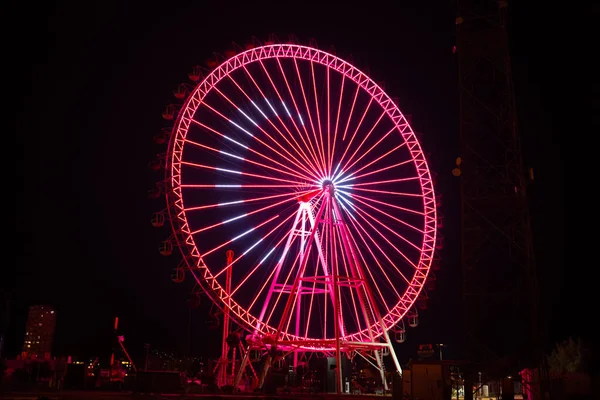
(183, 233)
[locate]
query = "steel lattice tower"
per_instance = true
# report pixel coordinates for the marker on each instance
(499, 282)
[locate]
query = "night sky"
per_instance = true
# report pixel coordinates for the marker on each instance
(89, 83)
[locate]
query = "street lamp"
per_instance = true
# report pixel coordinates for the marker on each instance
(440, 346)
(147, 347)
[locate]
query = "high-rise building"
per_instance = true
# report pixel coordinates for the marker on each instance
(39, 331)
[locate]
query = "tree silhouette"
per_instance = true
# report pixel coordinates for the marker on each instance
(569, 356)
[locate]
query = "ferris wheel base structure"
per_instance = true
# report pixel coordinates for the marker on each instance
(327, 222)
(301, 164)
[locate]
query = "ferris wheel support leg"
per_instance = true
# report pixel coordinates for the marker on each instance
(243, 363)
(393, 354)
(385, 334)
(219, 371)
(264, 371)
(379, 358)
(336, 295)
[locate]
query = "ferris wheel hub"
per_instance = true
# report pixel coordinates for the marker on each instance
(328, 185)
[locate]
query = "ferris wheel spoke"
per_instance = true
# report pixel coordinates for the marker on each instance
(364, 140)
(279, 295)
(252, 150)
(386, 192)
(308, 144)
(337, 119)
(353, 177)
(257, 296)
(378, 220)
(239, 236)
(245, 201)
(240, 216)
(372, 147)
(238, 186)
(353, 185)
(384, 237)
(264, 237)
(363, 213)
(296, 162)
(236, 172)
(312, 71)
(302, 177)
(358, 198)
(347, 271)
(401, 145)
(347, 147)
(367, 309)
(351, 111)
(358, 228)
(259, 140)
(308, 138)
(291, 313)
(297, 149)
(308, 113)
(385, 274)
(264, 258)
(370, 273)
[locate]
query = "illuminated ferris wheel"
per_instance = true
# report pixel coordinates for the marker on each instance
(302, 165)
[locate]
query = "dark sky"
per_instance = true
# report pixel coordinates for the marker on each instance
(90, 82)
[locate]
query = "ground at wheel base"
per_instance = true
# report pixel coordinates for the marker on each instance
(100, 395)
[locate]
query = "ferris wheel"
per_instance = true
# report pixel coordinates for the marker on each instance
(306, 169)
